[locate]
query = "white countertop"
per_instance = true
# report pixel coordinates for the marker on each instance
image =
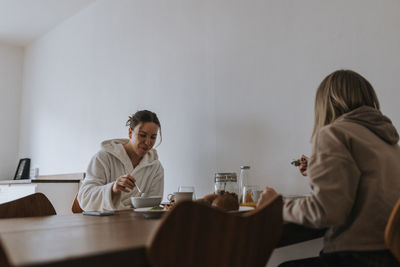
(30, 181)
(24, 181)
(53, 178)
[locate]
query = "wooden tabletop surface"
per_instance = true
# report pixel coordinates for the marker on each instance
(81, 240)
(63, 240)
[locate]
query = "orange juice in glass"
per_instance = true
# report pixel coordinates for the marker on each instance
(250, 195)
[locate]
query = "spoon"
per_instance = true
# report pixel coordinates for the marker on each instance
(142, 194)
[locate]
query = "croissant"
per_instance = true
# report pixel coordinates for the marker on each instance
(226, 202)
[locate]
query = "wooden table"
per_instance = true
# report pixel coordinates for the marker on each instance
(77, 240)
(294, 233)
(81, 240)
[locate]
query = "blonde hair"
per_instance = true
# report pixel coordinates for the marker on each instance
(340, 92)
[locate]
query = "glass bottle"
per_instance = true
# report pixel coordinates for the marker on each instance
(244, 180)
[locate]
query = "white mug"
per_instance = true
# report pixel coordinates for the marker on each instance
(187, 189)
(178, 196)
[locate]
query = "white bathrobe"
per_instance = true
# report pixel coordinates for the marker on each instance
(107, 165)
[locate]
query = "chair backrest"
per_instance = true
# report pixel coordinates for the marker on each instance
(392, 231)
(76, 208)
(3, 257)
(32, 205)
(193, 234)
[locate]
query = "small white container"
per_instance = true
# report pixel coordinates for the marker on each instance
(142, 202)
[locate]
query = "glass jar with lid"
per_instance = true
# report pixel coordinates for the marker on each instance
(226, 182)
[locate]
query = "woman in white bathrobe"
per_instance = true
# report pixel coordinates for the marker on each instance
(121, 164)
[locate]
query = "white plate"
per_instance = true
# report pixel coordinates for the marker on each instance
(149, 213)
(148, 209)
(242, 209)
(245, 208)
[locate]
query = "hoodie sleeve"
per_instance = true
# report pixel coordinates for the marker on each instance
(95, 191)
(157, 184)
(334, 178)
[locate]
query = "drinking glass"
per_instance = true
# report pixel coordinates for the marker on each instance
(251, 195)
(187, 189)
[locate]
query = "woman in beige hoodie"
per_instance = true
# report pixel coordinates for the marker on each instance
(122, 165)
(354, 173)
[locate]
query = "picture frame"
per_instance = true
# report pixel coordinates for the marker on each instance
(23, 169)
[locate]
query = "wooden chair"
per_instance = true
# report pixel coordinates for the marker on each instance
(32, 205)
(392, 231)
(193, 234)
(76, 208)
(3, 257)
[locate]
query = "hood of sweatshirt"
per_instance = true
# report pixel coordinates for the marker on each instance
(115, 147)
(375, 121)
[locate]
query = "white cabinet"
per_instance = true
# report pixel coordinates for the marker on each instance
(59, 189)
(11, 191)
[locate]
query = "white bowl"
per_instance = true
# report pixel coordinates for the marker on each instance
(141, 202)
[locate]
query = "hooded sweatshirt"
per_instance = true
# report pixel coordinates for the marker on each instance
(354, 173)
(107, 165)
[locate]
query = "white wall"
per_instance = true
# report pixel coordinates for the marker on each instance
(85, 77)
(270, 56)
(233, 82)
(11, 62)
